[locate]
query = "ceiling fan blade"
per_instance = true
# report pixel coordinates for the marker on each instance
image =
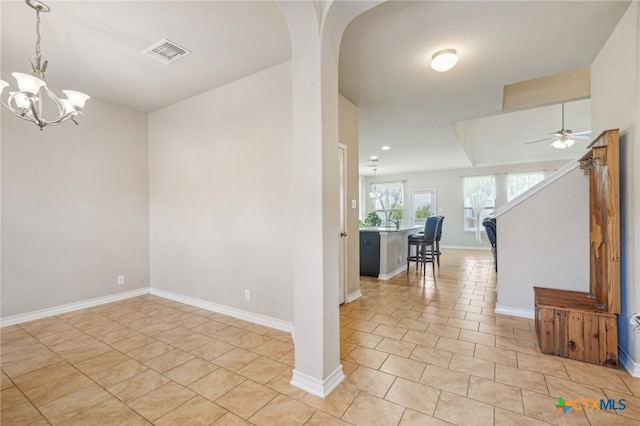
(584, 132)
(539, 140)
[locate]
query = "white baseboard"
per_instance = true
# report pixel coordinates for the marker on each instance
(353, 296)
(63, 309)
(385, 277)
(317, 387)
(515, 312)
(628, 363)
(270, 322)
(466, 247)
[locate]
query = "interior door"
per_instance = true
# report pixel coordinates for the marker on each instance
(342, 167)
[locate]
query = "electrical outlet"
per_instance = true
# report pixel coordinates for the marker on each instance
(400, 259)
(247, 295)
(122, 280)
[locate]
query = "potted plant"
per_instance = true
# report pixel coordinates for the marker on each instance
(372, 220)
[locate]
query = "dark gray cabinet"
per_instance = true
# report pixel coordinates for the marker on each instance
(370, 253)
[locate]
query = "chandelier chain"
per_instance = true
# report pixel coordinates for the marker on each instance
(38, 53)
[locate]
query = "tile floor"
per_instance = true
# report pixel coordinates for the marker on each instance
(415, 352)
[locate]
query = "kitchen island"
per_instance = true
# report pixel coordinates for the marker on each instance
(383, 250)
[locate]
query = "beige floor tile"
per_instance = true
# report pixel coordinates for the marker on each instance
(168, 360)
(633, 383)
(209, 328)
(431, 356)
(161, 400)
(118, 335)
(446, 380)
(336, 403)
(52, 390)
(595, 375)
(282, 410)
(118, 373)
(463, 324)
(632, 404)
(44, 327)
(456, 346)
(282, 384)
(496, 394)
(433, 318)
(371, 381)
(544, 408)
(414, 418)
(189, 343)
(131, 342)
(173, 335)
(246, 399)
(75, 403)
(57, 338)
(110, 412)
(102, 361)
(212, 349)
(496, 329)
(463, 411)
(396, 347)
(362, 325)
(411, 324)
(609, 418)
(521, 378)
(250, 340)
(367, 340)
(321, 418)
(572, 390)
(477, 337)
(22, 414)
(274, 348)
(473, 366)
(540, 364)
(235, 359)
(497, 355)
(190, 371)
(367, 357)
(230, 419)
(421, 338)
(22, 366)
(403, 367)
(149, 351)
(486, 319)
(262, 369)
(216, 383)
(369, 410)
(11, 397)
(133, 388)
(509, 418)
(519, 323)
(413, 395)
(196, 411)
(516, 345)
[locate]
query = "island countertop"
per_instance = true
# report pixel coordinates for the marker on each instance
(391, 228)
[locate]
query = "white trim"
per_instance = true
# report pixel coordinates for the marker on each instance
(628, 363)
(69, 307)
(536, 188)
(467, 247)
(353, 296)
(385, 277)
(317, 387)
(515, 312)
(270, 322)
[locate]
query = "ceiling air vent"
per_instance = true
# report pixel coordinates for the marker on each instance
(166, 51)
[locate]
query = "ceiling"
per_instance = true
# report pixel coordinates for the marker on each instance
(94, 47)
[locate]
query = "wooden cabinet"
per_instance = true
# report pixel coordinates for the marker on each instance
(579, 325)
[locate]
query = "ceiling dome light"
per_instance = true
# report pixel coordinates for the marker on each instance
(386, 148)
(444, 60)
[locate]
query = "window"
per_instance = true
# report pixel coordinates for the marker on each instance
(517, 183)
(387, 201)
(479, 194)
(423, 205)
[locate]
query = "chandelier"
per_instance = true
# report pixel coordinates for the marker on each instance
(27, 102)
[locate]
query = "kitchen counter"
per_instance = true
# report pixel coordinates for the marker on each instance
(383, 250)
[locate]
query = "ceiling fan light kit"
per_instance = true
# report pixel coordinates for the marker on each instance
(27, 102)
(564, 138)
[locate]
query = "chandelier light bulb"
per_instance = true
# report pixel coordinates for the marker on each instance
(444, 60)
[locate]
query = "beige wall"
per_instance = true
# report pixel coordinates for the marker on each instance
(348, 135)
(221, 195)
(615, 94)
(74, 208)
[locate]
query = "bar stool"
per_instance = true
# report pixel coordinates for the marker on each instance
(424, 244)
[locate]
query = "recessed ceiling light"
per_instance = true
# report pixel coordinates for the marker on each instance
(444, 60)
(374, 158)
(386, 148)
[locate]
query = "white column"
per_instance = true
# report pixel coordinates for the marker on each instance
(315, 30)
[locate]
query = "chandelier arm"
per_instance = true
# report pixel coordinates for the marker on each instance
(22, 115)
(56, 100)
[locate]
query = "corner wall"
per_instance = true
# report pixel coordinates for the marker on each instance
(74, 208)
(221, 195)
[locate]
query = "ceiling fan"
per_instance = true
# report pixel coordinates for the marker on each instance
(564, 138)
